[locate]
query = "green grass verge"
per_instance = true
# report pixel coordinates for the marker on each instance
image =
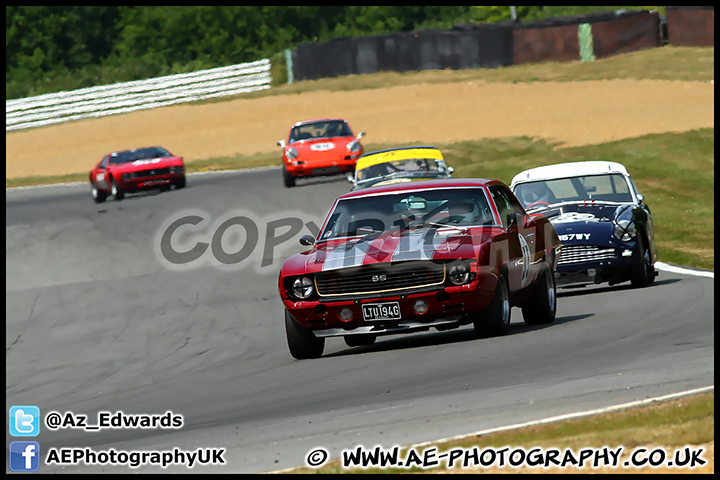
(676, 423)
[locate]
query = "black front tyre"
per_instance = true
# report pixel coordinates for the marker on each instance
(541, 307)
(495, 320)
(301, 341)
(117, 192)
(98, 195)
(643, 274)
(288, 180)
(180, 183)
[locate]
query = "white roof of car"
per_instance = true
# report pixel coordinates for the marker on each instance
(565, 170)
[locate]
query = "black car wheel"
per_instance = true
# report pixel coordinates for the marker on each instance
(541, 307)
(495, 320)
(643, 274)
(301, 341)
(288, 180)
(180, 183)
(98, 195)
(117, 192)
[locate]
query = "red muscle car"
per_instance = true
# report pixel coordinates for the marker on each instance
(325, 146)
(407, 257)
(134, 170)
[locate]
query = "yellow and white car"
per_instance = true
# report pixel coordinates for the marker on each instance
(398, 165)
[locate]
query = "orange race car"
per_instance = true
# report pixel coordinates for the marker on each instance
(325, 146)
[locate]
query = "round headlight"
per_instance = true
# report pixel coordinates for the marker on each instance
(302, 287)
(353, 147)
(291, 153)
(126, 176)
(459, 274)
(625, 230)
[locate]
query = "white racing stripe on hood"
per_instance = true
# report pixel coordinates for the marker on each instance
(419, 245)
(415, 245)
(347, 255)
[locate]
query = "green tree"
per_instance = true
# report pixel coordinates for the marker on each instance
(52, 48)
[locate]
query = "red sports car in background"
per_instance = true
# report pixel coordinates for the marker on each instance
(325, 146)
(134, 170)
(407, 257)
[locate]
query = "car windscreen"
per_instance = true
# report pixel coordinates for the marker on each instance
(405, 167)
(605, 188)
(128, 156)
(325, 129)
(456, 207)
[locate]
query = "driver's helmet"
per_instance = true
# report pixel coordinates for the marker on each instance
(463, 212)
(536, 192)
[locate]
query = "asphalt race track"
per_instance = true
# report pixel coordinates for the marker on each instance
(97, 321)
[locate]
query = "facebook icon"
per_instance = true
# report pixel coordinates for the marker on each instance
(24, 456)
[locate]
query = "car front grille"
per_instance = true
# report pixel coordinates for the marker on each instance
(380, 278)
(584, 253)
(151, 172)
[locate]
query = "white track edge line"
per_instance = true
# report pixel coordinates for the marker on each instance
(685, 271)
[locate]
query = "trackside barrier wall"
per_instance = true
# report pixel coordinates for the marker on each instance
(138, 95)
(488, 46)
(481, 45)
(691, 26)
(557, 39)
(627, 33)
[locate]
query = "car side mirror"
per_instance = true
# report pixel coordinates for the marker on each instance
(641, 197)
(281, 143)
(450, 170)
(514, 219)
(360, 135)
(307, 240)
(351, 179)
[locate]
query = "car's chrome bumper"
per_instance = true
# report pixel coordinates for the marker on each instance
(391, 327)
